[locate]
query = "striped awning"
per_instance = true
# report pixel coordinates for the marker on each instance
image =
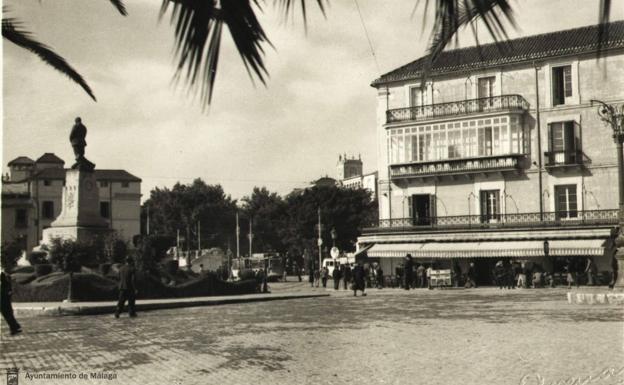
(515, 249)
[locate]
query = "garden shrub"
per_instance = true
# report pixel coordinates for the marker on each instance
(42, 269)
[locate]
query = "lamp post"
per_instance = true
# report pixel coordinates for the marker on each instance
(614, 117)
(334, 236)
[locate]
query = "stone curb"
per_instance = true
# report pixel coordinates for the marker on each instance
(576, 298)
(109, 308)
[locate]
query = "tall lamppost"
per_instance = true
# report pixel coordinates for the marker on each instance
(614, 117)
(334, 235)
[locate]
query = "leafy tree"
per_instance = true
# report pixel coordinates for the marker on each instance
(199, 27)
(68, 255)
(184, 206)
(268, 212)
(10, 253)
(347, 210)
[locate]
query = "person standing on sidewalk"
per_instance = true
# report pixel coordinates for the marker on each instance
(6, 304)
(359, 277)
(346, 276)
(324, 276)
(336, 277)
(127, 288)
(471, 276)
(409, 271)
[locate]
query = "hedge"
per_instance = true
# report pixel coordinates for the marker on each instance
(93, 287)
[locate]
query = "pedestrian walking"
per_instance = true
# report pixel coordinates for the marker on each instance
(614, 270)
(522, 276)
(127, 288)
(380, 277)
(570, 273)
(6, 290)
(421, 278)
(298, 270)
(471, 276)
(324, 276)
(409, 271)
(359, 277)
(317, 277)
(428, 276)
(499, 274)
(347, 275)
(398, 271)
(336, 277)
(590, 270)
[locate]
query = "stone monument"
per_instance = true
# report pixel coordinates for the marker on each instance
(80, 218)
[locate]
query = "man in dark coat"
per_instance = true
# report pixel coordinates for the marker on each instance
(471, 276)
(127, 288)
(359, 277)
(6, 304)
(336, 277)
(347, 276)
(409, 271)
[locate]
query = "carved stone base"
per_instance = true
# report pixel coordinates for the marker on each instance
(75, 233)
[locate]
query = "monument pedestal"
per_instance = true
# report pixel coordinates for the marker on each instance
(80, 218)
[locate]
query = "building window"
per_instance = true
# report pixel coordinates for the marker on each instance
(47, 210)
(564, 143)
(565, 201)
(47, 182)
(485, 91)
(21, 218)
(104, 183)
(490, 206)
(125, 184)
(561, 84)
(418, 96)
(105, 209)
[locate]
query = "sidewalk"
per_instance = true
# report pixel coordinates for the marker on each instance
(35, 309)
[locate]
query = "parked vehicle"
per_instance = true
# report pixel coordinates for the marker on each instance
(257, 262)
(332, 263)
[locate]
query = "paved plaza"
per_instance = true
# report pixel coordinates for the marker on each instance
(392, 336)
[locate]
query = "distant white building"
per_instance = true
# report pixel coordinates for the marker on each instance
(350, 175)
(32, 194)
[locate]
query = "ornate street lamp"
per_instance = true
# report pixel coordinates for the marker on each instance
(614, 117)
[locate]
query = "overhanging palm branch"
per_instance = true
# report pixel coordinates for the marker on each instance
(198, 28)
(451, 15)
(12, 31)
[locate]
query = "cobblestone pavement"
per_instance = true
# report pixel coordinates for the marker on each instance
(392, 336)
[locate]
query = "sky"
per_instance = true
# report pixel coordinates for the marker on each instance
(317, 103)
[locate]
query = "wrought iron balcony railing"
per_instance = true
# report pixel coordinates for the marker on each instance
(563, 158)
(456, 166)
(463, 107)
(546, 219)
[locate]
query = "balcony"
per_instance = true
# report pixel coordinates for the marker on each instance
(502, 103)
(521, 220)
(563, 160)
(462, 166)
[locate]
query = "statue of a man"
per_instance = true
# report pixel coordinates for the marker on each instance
(77, 139)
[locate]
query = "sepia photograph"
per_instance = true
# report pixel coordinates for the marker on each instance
(334, 192)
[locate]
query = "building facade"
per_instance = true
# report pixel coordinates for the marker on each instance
(350, 175)
(32, 197)
(500, 154)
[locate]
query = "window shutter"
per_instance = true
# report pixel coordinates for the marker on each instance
(567, 81)
(569, 136)
(410, 211)
(432, 207)
(556, 86)
(577, 137)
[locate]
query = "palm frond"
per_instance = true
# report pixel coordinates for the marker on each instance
(287, 7)
(12, 31)
(451, 15)
(120, 6)
(603, 18)
(198, 26)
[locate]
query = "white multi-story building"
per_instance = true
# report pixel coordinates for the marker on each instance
(500, 154)
(32, 198)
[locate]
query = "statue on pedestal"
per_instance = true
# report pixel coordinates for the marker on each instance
(78, 142)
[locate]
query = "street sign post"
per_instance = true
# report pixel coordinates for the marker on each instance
(334, 252)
